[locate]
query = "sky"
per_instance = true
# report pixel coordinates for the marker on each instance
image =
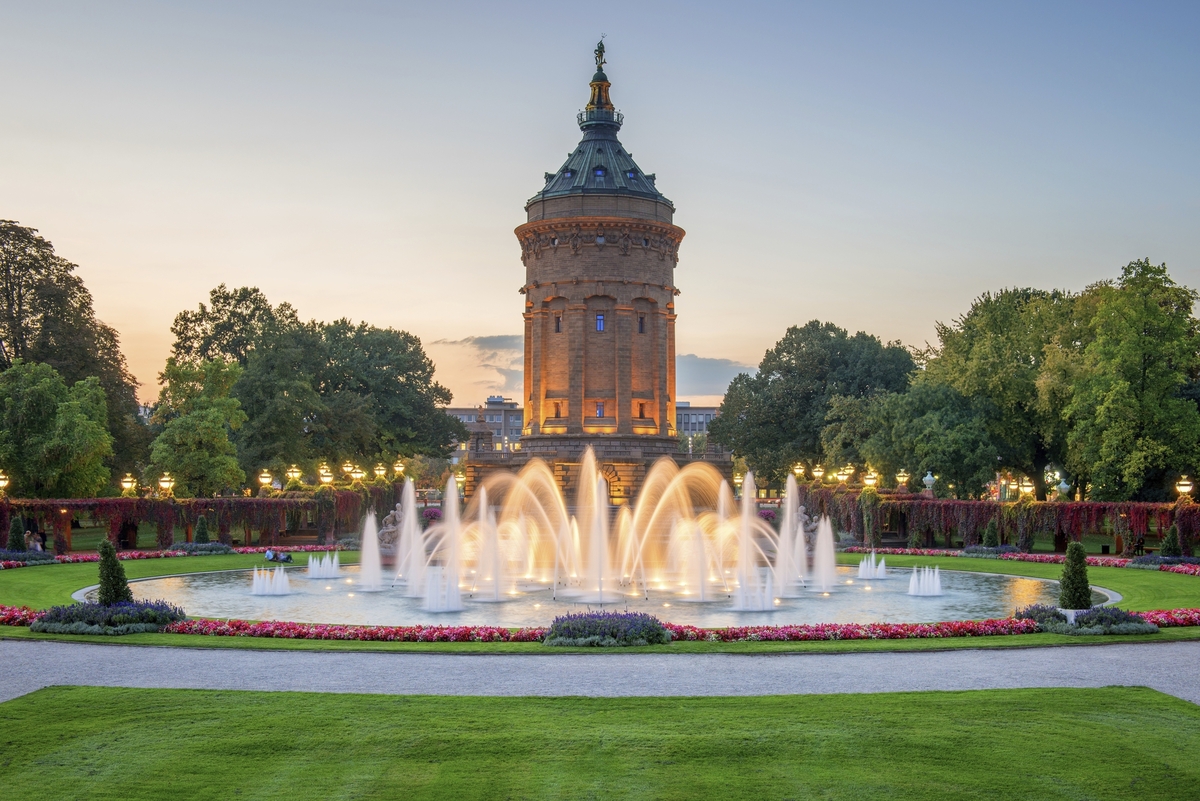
(875, 165)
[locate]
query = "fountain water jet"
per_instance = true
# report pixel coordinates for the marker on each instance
(442, 575)
(270, 582)
(925, 581)
(824, 577)
(869, 569)
(371, 568)
(323, 567)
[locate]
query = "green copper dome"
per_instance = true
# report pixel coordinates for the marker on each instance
(600, 164)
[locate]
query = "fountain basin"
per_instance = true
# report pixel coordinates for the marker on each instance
(966, 596)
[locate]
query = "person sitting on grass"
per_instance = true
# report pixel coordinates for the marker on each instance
(275, 556)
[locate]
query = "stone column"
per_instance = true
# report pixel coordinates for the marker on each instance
(623, 366)
(534, 361)
(576, 322)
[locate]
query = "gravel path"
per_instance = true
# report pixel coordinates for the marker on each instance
(28, 666)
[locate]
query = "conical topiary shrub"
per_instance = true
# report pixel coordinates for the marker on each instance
(1170, 543)
(201, 532)
(991, 536)
(1073, 591)
(16, 534)
(114, 588)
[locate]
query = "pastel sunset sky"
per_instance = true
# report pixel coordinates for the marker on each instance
(876, 165)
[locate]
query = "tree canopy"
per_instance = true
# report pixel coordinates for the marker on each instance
(774, 418)
(46, 315)
(318, 391)
(53, 440)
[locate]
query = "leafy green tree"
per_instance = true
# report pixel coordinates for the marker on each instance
(995, 355)
(932, 428)
(774, 418)
(229, 328)
(47, 316)
(1170, 543)
(114, 588)
(1131, 427)
(198, 417)
(849, 423)
(200, 535)
(1073, 589)
(52, 438)
(991, 535)
(16, 534)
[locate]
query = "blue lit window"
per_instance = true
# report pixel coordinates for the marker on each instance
(599, 409)
(631, 174)
(599, 322)
(567, 174)
(599, 172)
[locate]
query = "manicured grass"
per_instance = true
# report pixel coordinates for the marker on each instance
(1140, 589)
(537, 649)
(43, 586)
(103, 743)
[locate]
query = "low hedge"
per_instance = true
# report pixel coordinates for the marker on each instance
(127, 617)
(606, 630)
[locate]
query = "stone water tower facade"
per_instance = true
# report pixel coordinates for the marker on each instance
(600, 250)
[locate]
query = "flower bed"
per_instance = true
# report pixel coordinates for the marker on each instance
(319, 631)
(855, 631)
(1041, 558)
(79, 558)
(18, 615)
(1187, 570)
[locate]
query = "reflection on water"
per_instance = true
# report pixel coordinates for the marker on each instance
(341, 600)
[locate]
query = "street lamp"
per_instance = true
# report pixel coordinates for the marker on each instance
(166, 484)
(265, 477)
(902, 479)
(293, 473)
(871, 478)
(398, 468)
(348, 467)
(798, 469)
(3, 481)
(818, 472)
(357, 473)
(1184, 486)
(325, 477)
(128, 484)
(380, 470)
(1026, 485)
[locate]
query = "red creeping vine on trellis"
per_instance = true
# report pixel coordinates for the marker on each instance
(1017, 522)
(332, 510)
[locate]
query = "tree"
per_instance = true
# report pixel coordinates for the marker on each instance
(774, 418)
(1131, 425)
(198, 416)
(52, 437)
(114, 588)
(995, 355)
(46, 315)
(16, 534)
(201, 533)
(849, 423)
(229, 328)
(1170, 543)
(1073, 589)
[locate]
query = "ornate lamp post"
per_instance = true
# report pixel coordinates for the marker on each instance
(798, 469)
(1183, 486)
(357, 473)
(265, 478)
(380, 470)
(129, 485)
(902, 480)
(166, 484)
(348, 467)
(871, 478)
(737, 485)
(398, 469)
(818, 472)
(293, 473)
(3, 482)
(1026, 485)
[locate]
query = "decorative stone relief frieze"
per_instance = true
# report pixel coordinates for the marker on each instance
(535, 240)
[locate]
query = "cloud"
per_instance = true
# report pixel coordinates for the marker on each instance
(477, 366)
(701, 376)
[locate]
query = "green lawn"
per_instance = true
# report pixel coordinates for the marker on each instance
(103, 743)
(45, 586)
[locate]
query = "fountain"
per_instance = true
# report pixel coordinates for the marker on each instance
(323, 567)
(410, 544)
(755, 579)
(824, 577)
(869, 569)
(925, 581)
(444, 567)
(371, 570)
(791, 555)
(270, 582)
